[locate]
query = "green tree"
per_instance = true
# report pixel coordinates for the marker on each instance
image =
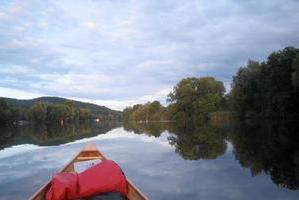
(245, 91)
(56, 112)
(72, 111)
(151, 111)
(5, 112)
(196, 97)
(295, 74)
(154, 110)
(85, 114)
(127, 114)
(207, 104)
(268, 88)
(39, 112)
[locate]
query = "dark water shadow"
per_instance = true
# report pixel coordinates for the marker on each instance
(268, 146)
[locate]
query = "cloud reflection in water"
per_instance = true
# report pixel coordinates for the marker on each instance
(150, 161)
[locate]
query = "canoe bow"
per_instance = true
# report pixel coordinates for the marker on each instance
(89, 152)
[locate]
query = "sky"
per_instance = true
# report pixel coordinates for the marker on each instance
(121, 52)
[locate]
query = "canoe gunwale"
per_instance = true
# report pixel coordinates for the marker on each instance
(91, 153)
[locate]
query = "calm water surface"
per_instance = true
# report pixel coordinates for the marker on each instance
(244, 160)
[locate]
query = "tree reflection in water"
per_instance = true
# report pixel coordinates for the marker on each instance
(200, 141)
(271, 147)
(52, 134)
(151, 129)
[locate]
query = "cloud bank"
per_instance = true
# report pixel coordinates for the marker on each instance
(117, 53)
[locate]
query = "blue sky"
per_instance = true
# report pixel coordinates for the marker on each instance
(117, 53)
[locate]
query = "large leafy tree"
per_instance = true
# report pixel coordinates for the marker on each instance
(245, 88)
(151, 111)
(193, 97)
(268, 88)
(39, 112)
(5, 112)
(295, 74)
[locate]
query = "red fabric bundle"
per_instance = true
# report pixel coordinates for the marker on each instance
(103, 177)
(63, 187)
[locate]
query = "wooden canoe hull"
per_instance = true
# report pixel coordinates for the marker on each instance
(89, 152)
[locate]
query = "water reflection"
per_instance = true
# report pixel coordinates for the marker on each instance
(51, 134)
(197, 141)
(150, 129)
(166, 160)
(271, 147)
(202, 141)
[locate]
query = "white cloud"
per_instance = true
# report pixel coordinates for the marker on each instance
(113, 104)
(121, 52)
(14, 93)
(121, 104)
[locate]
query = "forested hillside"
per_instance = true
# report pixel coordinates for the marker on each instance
(48, 109)
(27, 103)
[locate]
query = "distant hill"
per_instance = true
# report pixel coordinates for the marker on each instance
(27, 103)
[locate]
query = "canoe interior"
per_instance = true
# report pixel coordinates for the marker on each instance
(89, 152)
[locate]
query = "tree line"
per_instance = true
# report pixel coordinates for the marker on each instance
(191, 99)
(151, 111)
(43, 112)
(268, 89)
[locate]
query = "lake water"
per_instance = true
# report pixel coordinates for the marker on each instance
(243, 160)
